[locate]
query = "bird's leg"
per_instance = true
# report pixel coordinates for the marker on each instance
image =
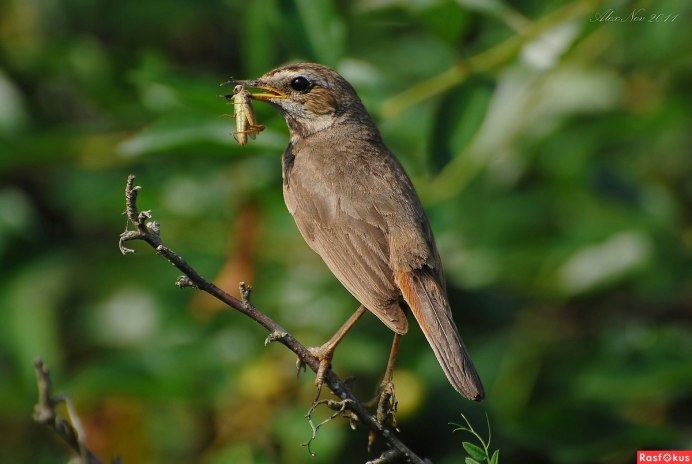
(325, 352)
(392, 359)
(386, 399)
(386, 404)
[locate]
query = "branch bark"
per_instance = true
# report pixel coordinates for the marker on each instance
(149, 231)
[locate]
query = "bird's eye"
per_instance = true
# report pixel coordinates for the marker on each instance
(300, 84)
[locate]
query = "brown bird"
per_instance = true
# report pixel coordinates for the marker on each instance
(356, 207)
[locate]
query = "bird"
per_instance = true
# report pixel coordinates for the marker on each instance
(356, 207)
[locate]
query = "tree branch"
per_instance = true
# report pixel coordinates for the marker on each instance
(150, 233)
(44, 413)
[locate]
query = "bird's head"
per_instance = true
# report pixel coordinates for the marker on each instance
(311, 97)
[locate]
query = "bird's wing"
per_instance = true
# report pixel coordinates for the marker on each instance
(354, 221)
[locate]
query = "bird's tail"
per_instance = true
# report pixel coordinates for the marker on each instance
(430, 307)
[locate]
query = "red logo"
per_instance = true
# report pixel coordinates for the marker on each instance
(665, 457)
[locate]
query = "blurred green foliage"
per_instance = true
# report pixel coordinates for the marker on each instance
(551, 147)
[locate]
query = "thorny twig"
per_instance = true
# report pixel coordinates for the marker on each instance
(150, 233)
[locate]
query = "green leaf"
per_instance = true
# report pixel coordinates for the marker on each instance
(475, 451)
(495, 458)
(471, 461)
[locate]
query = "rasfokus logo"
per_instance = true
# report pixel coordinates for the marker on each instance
(664, 456)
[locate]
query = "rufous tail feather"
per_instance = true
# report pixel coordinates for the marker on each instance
(430, 307)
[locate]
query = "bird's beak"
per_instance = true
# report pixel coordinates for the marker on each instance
(269, 92)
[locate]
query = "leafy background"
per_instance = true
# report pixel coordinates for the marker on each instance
(552, 153)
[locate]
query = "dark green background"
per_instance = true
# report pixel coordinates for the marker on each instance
(552, 152)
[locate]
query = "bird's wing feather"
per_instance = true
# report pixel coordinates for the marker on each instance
(352, 220)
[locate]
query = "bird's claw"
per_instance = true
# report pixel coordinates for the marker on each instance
(385, 415)
(324, 356)
(386, 405)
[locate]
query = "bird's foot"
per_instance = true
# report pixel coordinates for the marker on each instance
(386, 405)
(324, 355)
(385, 413)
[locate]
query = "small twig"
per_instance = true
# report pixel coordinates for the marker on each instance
(340, 408)
(44, 413)
(150, 233)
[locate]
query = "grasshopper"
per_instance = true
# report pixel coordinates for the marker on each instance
(244, 115)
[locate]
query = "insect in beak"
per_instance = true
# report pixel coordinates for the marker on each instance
(244, 114)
